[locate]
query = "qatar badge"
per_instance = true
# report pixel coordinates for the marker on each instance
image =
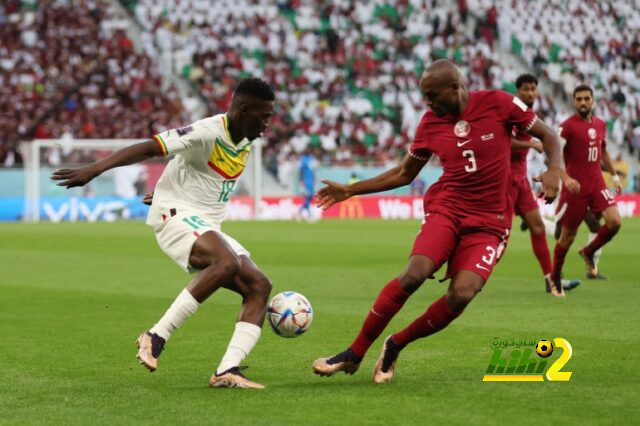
(462, 129)
(592, 133)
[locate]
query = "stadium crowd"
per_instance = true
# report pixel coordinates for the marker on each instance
(345, 72)
(67, 70)
(572, 41)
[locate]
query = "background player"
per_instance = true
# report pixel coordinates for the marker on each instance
(189, 204)
(308, 182)
(468, 211)
(524, 201)
(584, 149)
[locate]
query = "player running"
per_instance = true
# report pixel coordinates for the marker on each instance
(468, 211)
(524, 202)
(585, 147)
(188, 207)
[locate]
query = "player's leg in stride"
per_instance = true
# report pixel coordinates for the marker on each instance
(254, 287)
(463, 288)
(605, 234)
(388, 303)
(593, 223)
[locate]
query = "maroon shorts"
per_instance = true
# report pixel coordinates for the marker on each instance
(522, 196)
(449, 238)
(575, 206)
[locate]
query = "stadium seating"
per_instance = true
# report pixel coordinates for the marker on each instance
(68, 70)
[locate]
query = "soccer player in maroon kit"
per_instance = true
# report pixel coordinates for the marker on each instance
(468, 211)
(584, 149)
(524, 202)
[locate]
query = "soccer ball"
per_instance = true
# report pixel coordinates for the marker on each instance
(289, 313)
(544, 348)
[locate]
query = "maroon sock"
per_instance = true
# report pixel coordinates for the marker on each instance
(437, 317)
(541, 250)
(388, 303)
(603, 236)
(558, 259)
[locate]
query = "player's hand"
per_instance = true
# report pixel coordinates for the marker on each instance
(148, 198)
(572, 185)
(537, 145)
(333, 193)
(618, 187)
(74, 177)
(550, 181)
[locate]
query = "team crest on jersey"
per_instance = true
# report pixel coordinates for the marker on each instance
(462, 129)
(592, 133)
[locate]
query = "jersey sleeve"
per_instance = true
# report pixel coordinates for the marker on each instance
(181, 139)
(516, 112)
(418, 148)
(564, 130)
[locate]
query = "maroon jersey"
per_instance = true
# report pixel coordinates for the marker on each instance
(583, 150)
(519, 155)
(474, 150)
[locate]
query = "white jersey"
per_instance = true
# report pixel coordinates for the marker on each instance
(203, 173)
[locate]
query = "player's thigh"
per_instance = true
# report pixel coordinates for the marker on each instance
(212, 249)
(436, 239)
(477, 252)
(533, 219)
(603, 202)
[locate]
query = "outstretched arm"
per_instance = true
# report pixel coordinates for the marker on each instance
(550, 178)
(132, 154)
(533, 143)
(398, 176)
(608, 164)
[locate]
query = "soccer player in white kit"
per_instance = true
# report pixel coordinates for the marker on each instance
(188, 207)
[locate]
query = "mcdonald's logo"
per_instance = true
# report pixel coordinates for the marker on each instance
(351, 208)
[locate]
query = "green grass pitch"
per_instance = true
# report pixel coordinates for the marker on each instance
(73, 298)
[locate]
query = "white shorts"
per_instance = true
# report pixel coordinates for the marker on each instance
(177, 234)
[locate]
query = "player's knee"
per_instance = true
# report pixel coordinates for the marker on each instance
(460, 295)
(537, 228)
(411, 280)
(228, 266)
(260, 289)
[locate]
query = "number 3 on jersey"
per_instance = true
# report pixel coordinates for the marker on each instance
(472, 166)
(227, 189)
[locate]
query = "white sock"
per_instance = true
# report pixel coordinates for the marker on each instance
(182, 308)
(243, 340)
(597, 253)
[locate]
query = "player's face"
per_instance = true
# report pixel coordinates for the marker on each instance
(256, 118)
(442, 98)
(583, 103)
(528, 92)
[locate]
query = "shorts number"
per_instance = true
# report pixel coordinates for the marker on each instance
(472, 166)
(195, 222)
(227, 189)
(490, 256)
(593, 153)
(554, 373)
(607, 195)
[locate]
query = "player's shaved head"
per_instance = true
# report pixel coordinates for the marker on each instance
(443, 87)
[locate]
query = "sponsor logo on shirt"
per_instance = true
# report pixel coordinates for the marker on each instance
(462, 129)
(487, 137)
(184, 130)
(464, 143)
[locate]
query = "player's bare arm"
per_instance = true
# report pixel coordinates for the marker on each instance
(551, 177)
(534, 143)
(132, 154)
(398, 176)
(608, 164)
